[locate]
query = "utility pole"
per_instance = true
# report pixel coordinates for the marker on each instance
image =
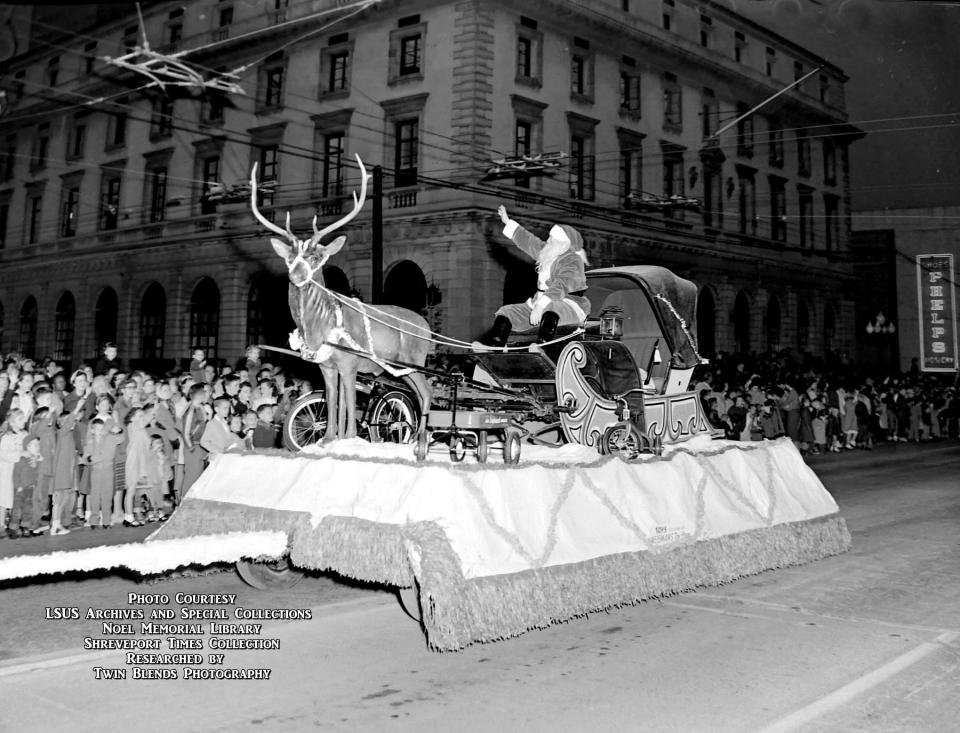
(376, 254)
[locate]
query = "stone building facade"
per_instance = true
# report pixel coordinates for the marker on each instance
(122, 205)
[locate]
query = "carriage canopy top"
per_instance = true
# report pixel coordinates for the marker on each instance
(674, 302)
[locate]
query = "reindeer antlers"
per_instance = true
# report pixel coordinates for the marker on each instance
(318, 234)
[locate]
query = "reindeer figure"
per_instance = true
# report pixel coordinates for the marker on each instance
(385, 332)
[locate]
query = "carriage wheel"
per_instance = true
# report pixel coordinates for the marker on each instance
(482, 447)
(306, 422)
(423, 446)
(458, 449)
(625, 440)
(273, 575)
(393, 418)
(511, 447)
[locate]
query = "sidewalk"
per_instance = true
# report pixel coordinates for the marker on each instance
(78, 539)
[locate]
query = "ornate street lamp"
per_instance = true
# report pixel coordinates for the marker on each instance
(880, 325)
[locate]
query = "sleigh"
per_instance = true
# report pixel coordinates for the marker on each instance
(619, 384)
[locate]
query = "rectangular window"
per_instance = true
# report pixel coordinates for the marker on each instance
(581, 168)
(631, 169)
(832, 220)
(744, 132)
(130, 35)
(778, 210)
(824, 88)
(109, 202)
(739, 46)
(673, 183)
(213, 105)
(805, 218)
(4, 219)
(774, 142)
(174, 35)
(226, 16)
(829, 162)
(672, 103)
(157, 187)
(712, 196)
(89, 56)
(8, 164)
(34, 210)
(209, 175)
(405, 152)
(333, 145)
(666, 17)
(578, 75)
(771, 61)
(629, 92)
(337, 79)
(522, 145)
(709, 112)
(410, 55)
(273, 85)
(525, 56)
(803, 153)
(706, 28)
(161, 120)
(41, 146)
(53, 71)
(797, 70)
(117, 129)
(748, 205)
(78, 136)
(69, 209)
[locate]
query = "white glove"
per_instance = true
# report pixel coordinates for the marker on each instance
(295, 341)
(537, 313)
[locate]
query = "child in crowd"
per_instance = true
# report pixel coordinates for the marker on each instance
(198, 360)
(24, 522)
(11, 448)
(265, 432)
(99, 453)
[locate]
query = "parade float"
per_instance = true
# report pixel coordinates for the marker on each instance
(516, 488)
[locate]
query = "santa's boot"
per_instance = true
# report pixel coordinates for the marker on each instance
(547, 332)
(496, 338)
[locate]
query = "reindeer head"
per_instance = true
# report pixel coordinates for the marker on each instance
(305, 258)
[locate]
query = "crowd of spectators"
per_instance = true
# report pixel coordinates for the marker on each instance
(104, 446)
(826, 405)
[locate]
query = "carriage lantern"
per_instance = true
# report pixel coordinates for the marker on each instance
(611, 322)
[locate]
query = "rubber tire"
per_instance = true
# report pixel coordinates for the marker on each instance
(312, 410)
(483, 450)
(458, 449)
(613, 440)
(511, 448)
(276, 575)
(403, 403)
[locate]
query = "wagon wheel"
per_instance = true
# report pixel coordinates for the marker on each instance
(482, 447)
(625, 440)
(306, 422)
(458, 448)
(272, 575)
(393, 418)
(511, 447)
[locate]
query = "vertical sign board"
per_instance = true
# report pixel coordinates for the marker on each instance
(936, 294)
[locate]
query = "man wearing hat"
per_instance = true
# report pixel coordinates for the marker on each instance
(561, 284)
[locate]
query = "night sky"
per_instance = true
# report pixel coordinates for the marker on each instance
(903, 60)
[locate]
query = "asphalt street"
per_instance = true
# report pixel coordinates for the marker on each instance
(867, 641)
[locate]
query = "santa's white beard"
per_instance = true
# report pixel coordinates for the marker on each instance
(548, 255)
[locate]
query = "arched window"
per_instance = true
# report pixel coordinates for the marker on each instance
(336, 280)
(205, 317)
(153, 321)
(28, 327)
(706, 323)
(741, 323)
(105, 319)
(406, 286)
(829, 327)
(803, 327)
(268, 312)
(773, 324)
(66, 319)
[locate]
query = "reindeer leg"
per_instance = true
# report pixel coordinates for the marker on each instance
(330, 387)
(348, 380)
(343, 419)
(418, 381)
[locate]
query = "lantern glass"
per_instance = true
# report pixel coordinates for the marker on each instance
(611, 325)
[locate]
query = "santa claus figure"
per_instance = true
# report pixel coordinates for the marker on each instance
(561, 285)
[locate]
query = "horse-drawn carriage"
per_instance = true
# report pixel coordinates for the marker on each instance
(618, 384)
